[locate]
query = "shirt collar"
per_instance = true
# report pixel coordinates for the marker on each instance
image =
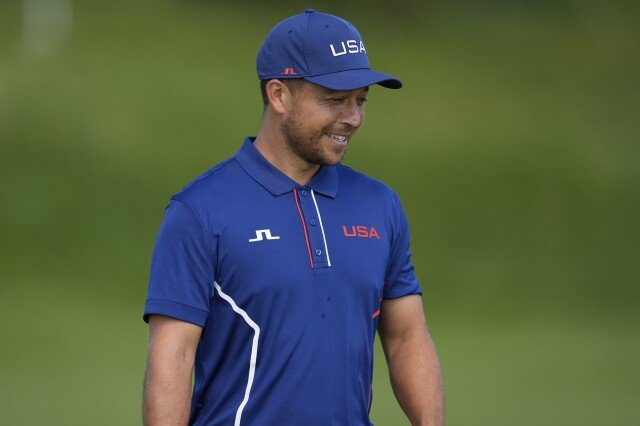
(273, 180)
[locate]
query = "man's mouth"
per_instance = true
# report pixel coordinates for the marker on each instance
(339, 139)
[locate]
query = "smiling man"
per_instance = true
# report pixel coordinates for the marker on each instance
(273, 271)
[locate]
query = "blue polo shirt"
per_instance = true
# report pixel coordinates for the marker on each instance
(286, 282)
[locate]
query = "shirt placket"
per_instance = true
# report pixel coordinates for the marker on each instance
(312, 225)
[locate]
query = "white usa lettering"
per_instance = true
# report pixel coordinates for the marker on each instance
(261, 233)
(351, 46)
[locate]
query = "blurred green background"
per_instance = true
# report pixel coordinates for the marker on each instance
(514, 147)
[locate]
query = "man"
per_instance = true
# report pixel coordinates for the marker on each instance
(272, 271)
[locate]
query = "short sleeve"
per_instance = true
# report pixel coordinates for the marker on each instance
(182, 268)
(400, 278)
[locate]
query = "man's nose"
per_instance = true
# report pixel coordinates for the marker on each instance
(353, 114)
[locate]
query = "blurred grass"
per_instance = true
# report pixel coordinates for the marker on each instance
(513, 146)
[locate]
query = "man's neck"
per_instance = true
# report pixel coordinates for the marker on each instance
(272, 146)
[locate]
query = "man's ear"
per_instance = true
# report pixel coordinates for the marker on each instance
(279, 95)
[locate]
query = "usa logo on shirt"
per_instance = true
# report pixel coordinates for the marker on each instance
(360, 231)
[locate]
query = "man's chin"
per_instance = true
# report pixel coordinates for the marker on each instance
(333, 160)
(326, 157)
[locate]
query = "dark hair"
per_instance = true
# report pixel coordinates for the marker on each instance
(294, 84)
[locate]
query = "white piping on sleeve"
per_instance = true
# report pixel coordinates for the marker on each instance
(326, 248)
(254, 349)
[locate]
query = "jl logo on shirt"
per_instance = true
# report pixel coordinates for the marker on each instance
(261, 233)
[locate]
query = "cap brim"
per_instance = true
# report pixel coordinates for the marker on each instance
(354, 79)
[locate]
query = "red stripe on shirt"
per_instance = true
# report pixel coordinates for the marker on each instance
(304, 226)
(376, 313)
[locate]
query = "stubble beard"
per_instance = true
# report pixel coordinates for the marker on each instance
(307, 147)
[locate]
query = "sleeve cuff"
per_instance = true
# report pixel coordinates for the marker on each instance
(398, 294)
(175, 310)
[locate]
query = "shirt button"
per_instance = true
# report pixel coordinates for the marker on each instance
(318, 252)
(312, 222)
(303, 192)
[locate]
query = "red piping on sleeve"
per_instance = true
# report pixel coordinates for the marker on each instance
(376, 313)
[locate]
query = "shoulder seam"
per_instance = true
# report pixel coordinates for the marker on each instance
(209, 173)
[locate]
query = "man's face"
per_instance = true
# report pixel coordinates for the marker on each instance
(321, 122)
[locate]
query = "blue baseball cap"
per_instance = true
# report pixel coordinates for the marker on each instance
(320, 48)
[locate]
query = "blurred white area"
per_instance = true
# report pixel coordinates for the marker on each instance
(46, 25)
